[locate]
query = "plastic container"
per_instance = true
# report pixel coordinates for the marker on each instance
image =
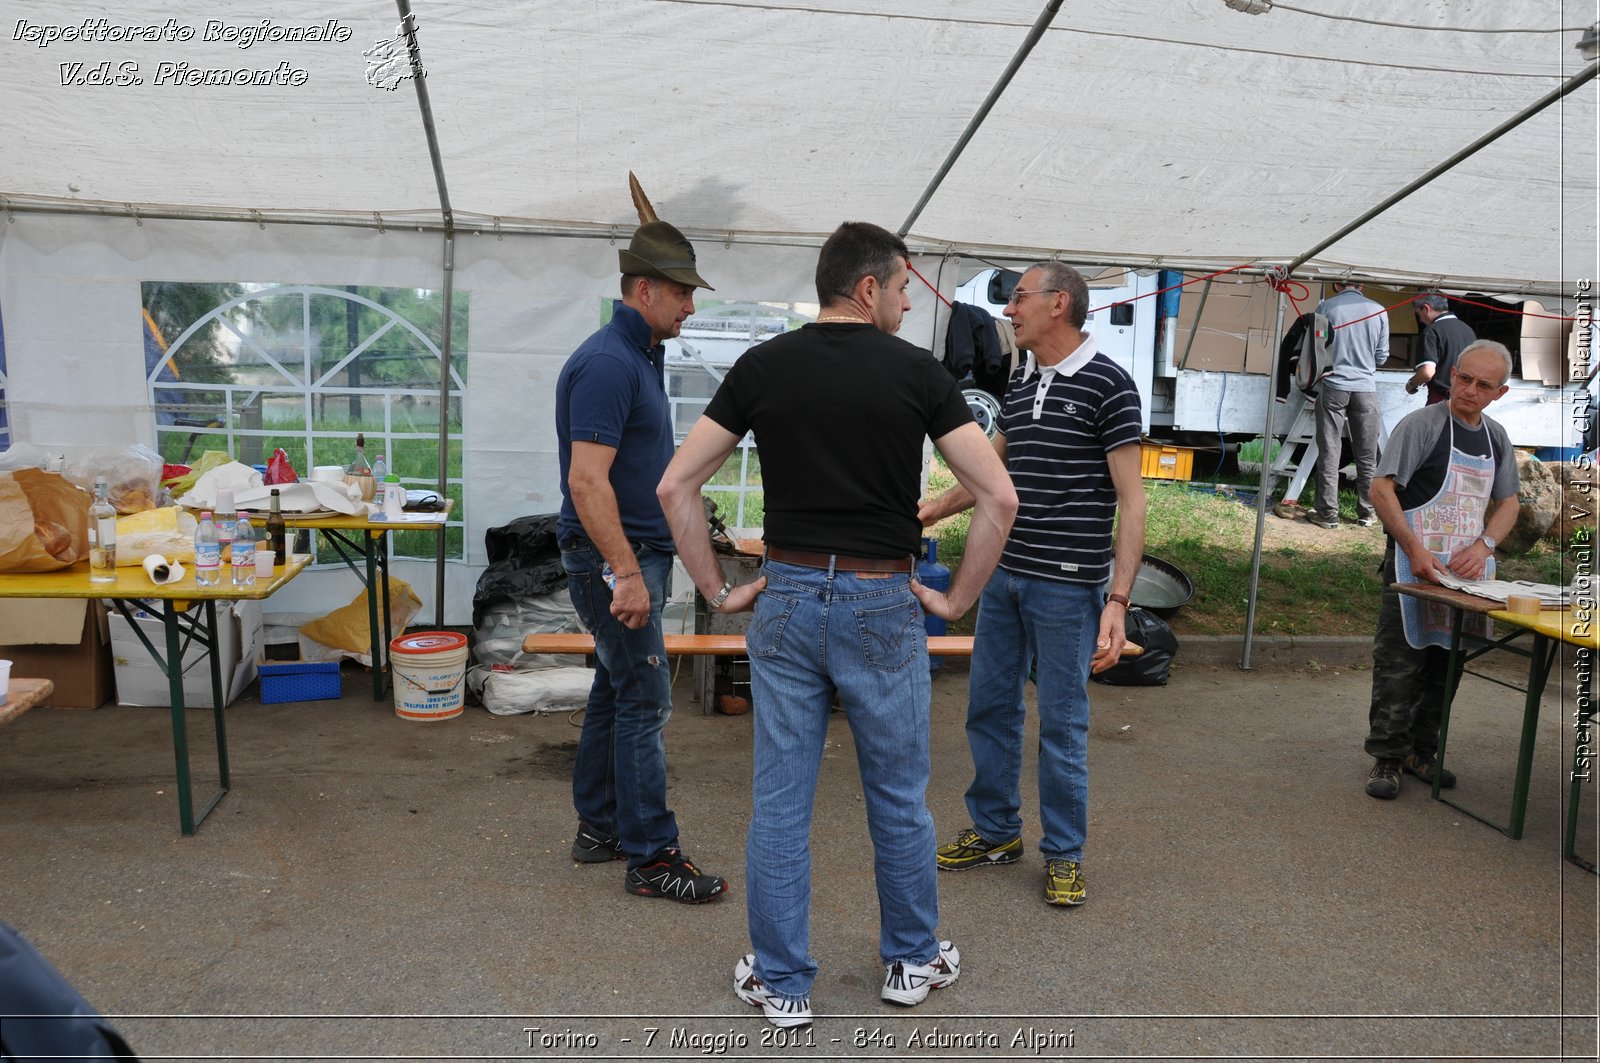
(5, 681)
(430, 669)
(299, 681)
(935, 577)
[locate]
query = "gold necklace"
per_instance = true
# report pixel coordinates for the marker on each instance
(841, 320)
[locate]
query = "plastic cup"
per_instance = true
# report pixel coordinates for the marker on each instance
(5, 681)
(263, 560)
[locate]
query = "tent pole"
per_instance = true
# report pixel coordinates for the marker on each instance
(1040, 24)
(1572, 84)
(1264, 489)
(419, 79)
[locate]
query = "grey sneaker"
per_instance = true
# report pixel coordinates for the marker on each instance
(910, 983)
(1384, 780)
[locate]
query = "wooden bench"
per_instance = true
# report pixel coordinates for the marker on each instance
(24, 695)
(715, 645)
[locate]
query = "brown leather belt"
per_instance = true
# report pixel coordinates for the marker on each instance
(839, 562)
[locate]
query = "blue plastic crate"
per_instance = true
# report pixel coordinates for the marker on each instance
(298, 681)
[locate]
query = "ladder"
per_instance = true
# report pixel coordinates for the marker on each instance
(1297, 455)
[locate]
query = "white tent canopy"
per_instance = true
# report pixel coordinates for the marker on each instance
(1178, 132)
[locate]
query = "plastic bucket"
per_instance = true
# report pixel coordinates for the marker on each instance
(429, 672)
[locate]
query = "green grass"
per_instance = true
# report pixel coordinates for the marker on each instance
(1330, 589)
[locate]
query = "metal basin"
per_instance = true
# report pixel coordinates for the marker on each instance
(1160, 586)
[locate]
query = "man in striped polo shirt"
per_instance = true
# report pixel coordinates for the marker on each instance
(1069, 435)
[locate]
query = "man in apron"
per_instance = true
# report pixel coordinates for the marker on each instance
(1446, 490)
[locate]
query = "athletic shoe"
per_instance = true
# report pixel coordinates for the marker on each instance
(1331, 523)
(971, 850)
(1367, 522)
(1424, 770)
(909, 983)
(595, 847)
(779, 1011)
(1063, 883)
(1383, 781)
(672, 875)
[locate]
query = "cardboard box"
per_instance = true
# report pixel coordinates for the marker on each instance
(63, 640)
(1544, 345)
(140, 681)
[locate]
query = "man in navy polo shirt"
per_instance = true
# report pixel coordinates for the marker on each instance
(614, 431)
(1069, 435)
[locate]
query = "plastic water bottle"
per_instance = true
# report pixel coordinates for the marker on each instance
(380, 471)
(244, 553)
(207, 553)
(394, 497)
(224, 517)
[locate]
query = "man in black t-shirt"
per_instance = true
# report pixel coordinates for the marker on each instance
(1444, 337)
(839, 410)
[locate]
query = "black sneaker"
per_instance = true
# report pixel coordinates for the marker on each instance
(595, 847)
(1425, 769)
(671, 874)
(1384, 780)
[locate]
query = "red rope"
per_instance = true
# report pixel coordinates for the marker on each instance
(1168, 288)
(931, 288)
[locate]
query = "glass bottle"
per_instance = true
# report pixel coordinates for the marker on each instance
(244, 553)
(207, 553)
(102, 537)
(277, 532)
(360, 466)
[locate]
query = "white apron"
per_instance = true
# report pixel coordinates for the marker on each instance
(1447, 522)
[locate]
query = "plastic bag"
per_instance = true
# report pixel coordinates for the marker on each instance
(184, 482)
(1152, 667)
(280, 470)
(346, 627)
(168, 531)
(508, 693)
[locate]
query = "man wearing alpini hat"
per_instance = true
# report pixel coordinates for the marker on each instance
(614, 429)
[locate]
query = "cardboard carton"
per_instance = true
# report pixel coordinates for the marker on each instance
(63, 640)
(140, 681)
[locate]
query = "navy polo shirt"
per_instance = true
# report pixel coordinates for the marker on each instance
(612, 391)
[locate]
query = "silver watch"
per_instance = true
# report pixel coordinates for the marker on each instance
(1488, 540)
(716, 600)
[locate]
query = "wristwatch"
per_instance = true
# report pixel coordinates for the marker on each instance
(1488, 541)
(716, 600)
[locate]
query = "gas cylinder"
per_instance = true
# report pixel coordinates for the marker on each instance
(936, 577)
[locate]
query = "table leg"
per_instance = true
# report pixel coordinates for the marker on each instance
(1543, 650)
(180, 725)
(1452, 677)
(372, 616)
(388, 614)
(1581, 760)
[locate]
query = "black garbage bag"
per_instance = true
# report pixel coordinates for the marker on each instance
(1150, 668)
(524, 562)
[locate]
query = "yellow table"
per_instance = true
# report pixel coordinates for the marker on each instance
(172, 601)
(1575, 628)
(1548, 629)
(367, 537)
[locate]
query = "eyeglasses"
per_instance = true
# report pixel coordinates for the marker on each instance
(1018, 293)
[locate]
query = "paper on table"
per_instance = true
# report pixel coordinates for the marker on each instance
(160, 570)
(408, 518)
(1498, 590)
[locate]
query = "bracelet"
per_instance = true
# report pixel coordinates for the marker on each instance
(620, 578)
(1120, 599)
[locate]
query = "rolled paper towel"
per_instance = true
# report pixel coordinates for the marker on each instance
(1523, 604)
(160, 570)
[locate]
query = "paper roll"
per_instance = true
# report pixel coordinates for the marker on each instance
(160, 570)
(1523, 604)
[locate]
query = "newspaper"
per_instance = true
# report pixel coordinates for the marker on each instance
(1550, 595)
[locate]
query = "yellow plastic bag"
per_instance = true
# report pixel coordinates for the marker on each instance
(168, 531)
(346, 627)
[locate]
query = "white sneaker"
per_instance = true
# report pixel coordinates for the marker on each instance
(780, 1012)
(909, 983)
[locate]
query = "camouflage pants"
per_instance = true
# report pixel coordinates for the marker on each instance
(1407, 684)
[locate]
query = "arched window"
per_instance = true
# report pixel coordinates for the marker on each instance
(250, 368)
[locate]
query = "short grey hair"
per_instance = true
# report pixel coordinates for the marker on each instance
(1062, 277)
(1434, 301)
(1492, 347)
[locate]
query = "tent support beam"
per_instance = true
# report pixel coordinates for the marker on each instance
(1570, 85)
(419, 79)
(1040, 24)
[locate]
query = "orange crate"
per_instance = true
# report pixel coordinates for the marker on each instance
(1160, 462)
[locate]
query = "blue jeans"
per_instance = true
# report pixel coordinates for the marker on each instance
(1023, 619)
(619, 780)
(814, 632)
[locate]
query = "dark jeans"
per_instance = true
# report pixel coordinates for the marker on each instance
(1407, 684)
(619, 780)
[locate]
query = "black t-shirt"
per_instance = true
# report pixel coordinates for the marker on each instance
(839, 413)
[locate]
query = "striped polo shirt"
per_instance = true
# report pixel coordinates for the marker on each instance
(1060, 422)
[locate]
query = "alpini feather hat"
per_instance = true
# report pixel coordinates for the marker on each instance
(658, 249)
